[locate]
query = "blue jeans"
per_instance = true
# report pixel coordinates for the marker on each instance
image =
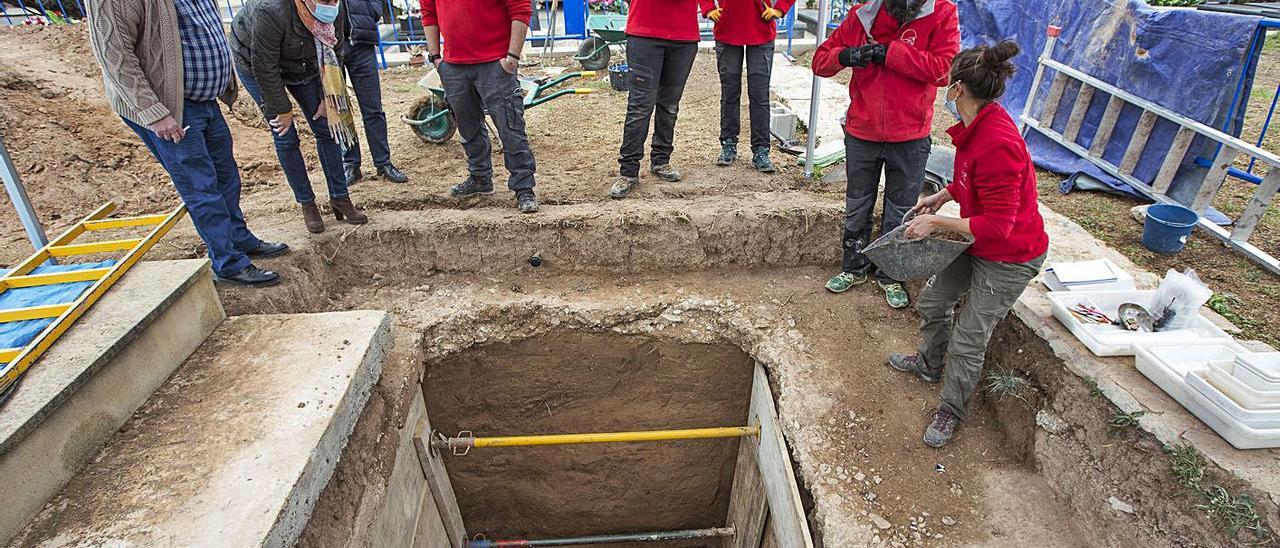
(289, 148)
(205, 174)
(362, 71)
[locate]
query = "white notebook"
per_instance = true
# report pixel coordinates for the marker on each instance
(1084, 272)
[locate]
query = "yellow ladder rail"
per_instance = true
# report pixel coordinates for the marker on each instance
(70, 276)
(20, 359)
(125, 222)
(33, 312)
(94, 247)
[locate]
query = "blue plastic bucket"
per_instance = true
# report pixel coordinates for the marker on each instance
(1167, 228)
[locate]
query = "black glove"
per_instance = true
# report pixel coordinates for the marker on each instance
(862, 56)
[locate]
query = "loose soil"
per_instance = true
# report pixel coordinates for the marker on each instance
(580, 383)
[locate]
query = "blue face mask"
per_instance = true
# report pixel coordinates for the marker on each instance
(324, 13)
(951, 104)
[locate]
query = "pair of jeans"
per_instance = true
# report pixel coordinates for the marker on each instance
(472, 89)
(903, 165)
(309, 95)
(759, 61)
(659, 70)
(362, 71)
(206, 176)
(990, 290)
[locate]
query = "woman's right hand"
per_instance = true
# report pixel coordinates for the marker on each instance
(928, 205)
(282, 123)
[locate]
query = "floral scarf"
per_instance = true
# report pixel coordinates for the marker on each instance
(338, 112)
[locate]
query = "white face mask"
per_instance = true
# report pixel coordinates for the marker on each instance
(951, 103)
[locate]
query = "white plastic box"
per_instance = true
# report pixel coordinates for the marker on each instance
(1221, 375)
(1113, 340)
(1260, 370)
(1239, 435)
(1167, 364)
(1263, 419)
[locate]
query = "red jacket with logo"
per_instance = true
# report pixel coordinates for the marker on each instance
(995, 185)
(740, 22)
(893, 103)
(675, 20)
(475, 31)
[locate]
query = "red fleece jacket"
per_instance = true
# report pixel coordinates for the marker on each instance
(995, 185)
(740, 22)
(893, 103)
(475, 31)
(675, 20)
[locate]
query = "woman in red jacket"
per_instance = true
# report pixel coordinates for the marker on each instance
(899, 52)
(995, 185)
(745, 31)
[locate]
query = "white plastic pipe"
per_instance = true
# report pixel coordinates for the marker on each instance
(815, 96)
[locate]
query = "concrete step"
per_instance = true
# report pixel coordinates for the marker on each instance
(234, 449)
(99, 372)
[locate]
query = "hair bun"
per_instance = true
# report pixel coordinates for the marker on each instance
(1001, 52)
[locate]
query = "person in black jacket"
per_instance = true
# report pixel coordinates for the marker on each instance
(289, 48)
(361, 61)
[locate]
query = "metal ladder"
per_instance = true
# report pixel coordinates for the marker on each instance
(1229, 148)
(16, 361)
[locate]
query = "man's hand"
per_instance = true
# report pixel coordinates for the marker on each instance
(876, 53)
(715, 14)
(168, 129)
(771, 14)
(921, 227)
(510, 64)
(863, 56)
(321, 111)
(928, 205)
(282, 123)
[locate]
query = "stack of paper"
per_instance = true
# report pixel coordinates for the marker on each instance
(1096, 275)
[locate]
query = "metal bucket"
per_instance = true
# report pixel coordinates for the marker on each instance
(902, 259)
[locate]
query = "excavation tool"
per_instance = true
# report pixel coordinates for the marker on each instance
(464, 441)
(433, 121)
(610, 30)
(18, 360)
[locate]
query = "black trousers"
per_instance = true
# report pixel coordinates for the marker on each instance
(659, 70)
(903, 166)
(759, 62)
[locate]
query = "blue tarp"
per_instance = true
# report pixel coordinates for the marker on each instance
(1188, 61)
(18, 334)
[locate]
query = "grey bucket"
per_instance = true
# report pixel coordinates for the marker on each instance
(902, 259)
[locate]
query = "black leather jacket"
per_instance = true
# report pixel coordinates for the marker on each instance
(270, 42)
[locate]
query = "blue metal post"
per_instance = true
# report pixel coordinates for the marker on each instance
(230, 14)
(4, 9)
(1265, 125)
(43, 11)
(18, 195)
(65, 18)
(22, 8)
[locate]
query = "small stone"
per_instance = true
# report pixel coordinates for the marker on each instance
(880, 522)
(302, 404)
(877, 481)
(948, 521)
(824, 468)
(859, 476)
(1120, 506)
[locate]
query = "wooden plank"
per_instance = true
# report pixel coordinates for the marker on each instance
(1172, 161)
(748, 505)
(1106, 127)
(441, 488)
(91, 248)
(1052, 100)
(788, 520)
(1138, 142)
(1257, 207)
(1213, 180)
(1078, 112)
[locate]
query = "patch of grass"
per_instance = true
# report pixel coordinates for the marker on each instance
(1122, 420)
(1187, 464)
(1008, 384)
(1093, 387)
(1233, 512)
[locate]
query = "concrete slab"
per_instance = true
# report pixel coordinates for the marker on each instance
(235, 448)
(793, 83)
(89, 383)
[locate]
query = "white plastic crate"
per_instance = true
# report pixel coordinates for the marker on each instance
(1199, 386)
(1221, 375)
(1113, 340)
(1239, 435)
(1167, 364)
(1260, 370)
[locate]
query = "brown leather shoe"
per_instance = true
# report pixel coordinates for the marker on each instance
(344, 210)
(311, 216)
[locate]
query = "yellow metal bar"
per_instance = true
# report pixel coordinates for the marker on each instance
(587, 74)
(40, 256)
(33, 280)
(8, 354)
(614, 437)
(95, 247)
(124, 222)
(33, 312)
(583, 91)
(38, 346)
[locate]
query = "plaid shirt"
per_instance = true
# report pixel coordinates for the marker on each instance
(206, 58)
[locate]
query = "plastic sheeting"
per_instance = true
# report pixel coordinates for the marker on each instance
(18, 334)
(1188, 61)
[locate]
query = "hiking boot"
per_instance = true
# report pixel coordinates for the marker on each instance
(728, 152)
(623, 186)
(895, 294)
(845, 280)
(666, 173)
(942, 428)
(760, 159)
(471, 187)
(252, 276)
(392, 174)
(911, 363)
(526, 201)
(352, 174)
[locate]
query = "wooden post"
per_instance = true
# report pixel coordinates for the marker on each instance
(441, 487)
(1078, 112)
(1213, 180)
(1258, 205)
(1106, 127)
(789, 524)
(1172, 161)
(1138, 142)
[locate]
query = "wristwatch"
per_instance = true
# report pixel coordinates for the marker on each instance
(433, 57)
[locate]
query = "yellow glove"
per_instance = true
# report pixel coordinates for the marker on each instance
(771, 13)
(714, 15)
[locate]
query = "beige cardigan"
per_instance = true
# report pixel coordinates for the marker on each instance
(138, 46)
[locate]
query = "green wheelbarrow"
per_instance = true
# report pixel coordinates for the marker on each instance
(433, 122)
(610, 30)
